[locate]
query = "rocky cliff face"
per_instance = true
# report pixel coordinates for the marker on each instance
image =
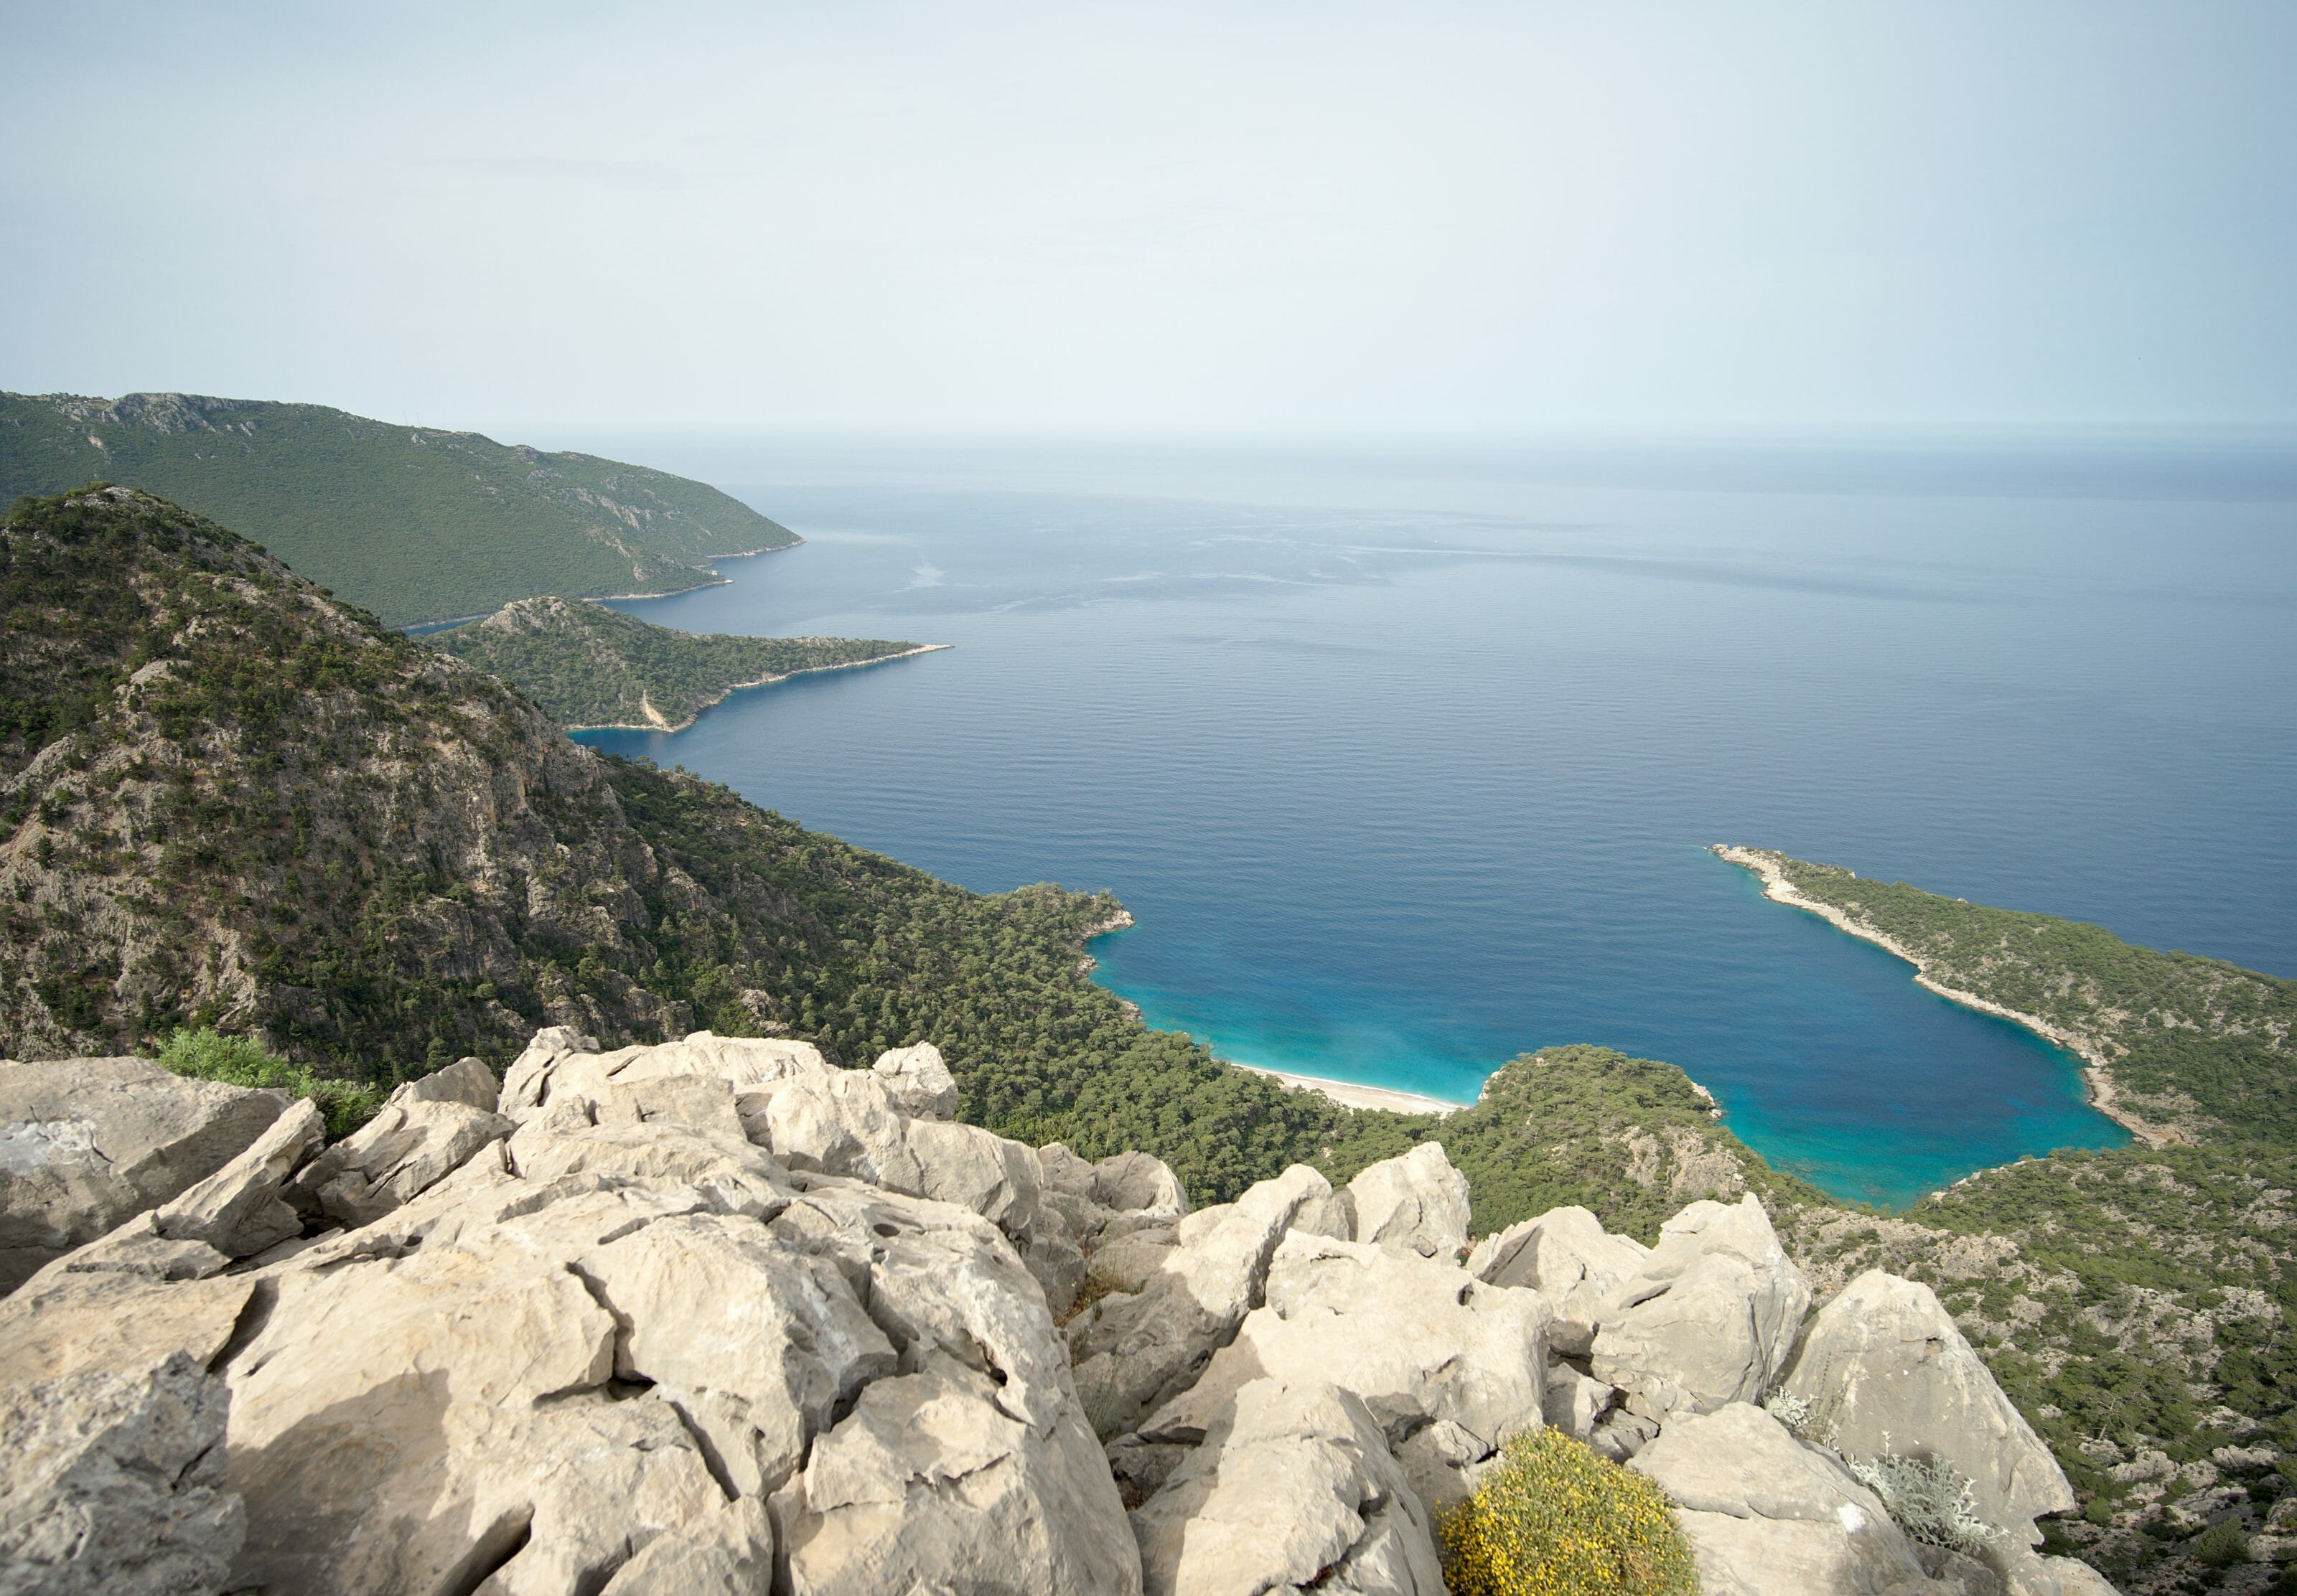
(715, 1315)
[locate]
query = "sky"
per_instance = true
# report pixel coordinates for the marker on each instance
(1169, 217)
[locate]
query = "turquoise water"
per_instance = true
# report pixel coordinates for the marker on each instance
(1406, 762)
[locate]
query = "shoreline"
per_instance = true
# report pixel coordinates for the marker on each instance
(2096, 1073)
(1348, 1094)
(763, 681)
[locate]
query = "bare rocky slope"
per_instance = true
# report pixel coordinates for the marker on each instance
(714, 1315)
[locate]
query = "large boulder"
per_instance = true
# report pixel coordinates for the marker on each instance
(238, 1209)
(1135, 1349)
(918, 1082)
(111, 1484)
(1707, 1320)
(1767, 1515)
(1138, 1184)
(1884, 1369)
(1568, 1257)
(1416, 1203)
(86, 1144)
(409, 1145)
(1448, 1367)
(558, 1065)
(1293, 1489)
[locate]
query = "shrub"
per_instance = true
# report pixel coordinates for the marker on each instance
(1554, 1520)
(207, 1054)
(1930, 1498)
(2222, 1545)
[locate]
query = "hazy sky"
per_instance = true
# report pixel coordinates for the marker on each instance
(1162, 215)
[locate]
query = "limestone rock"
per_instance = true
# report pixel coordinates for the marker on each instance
(238, 1209)
(111, 1484)
(1135, 1349)
(1709, 1319)
(1884, 1368)
(1293, 1489)
(1414, 1203)
(1767, 1515)
(918, 1082)
(466, 1081)
(1138, 1183)
(410, 1145)
(929, 1484)
(87, 1143)
(1447, 1365)
(68, 1322)
(557, 1065)
(1568, 1257)
(2025, 1573)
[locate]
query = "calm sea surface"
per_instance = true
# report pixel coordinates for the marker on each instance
(1406, 762)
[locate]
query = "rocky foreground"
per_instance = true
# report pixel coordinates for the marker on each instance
(715, 1315)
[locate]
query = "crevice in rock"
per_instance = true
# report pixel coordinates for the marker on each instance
(503, 1540)
(253, 1315)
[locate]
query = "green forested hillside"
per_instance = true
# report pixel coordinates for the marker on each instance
(590, 666)
(414, 523)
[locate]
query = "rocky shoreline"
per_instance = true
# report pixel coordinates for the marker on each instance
(2098, 1076)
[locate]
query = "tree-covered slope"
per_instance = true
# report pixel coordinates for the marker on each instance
(590, 666)
(416, 524)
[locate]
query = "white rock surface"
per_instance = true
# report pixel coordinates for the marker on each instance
(86, 1144)
(1767, 1515)
(111, 1484)
(1884, 1368)
(1135, 1349)
(919, 1083)
(1293, 1489)
(1448, 1366)
(1707, 1320)
(1568, 1257)
(1416, 1203)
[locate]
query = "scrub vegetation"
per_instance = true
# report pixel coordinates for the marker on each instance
(589, 666)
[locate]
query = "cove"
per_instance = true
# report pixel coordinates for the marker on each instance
(1406, 765)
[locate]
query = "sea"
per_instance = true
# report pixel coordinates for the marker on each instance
(1405, 755)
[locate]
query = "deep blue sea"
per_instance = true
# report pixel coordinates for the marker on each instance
(1405, 757)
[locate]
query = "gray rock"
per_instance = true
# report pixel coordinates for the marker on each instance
(1135, 1349)
(88, 1143)
(1767, 1515)
(1137, 1183)
(1568, 1257)
(918, 1082)
(63, 1324)
(1885, 1369)
(111, 1484)
(466, 1081)
(1449, 1367)
(1293, 1489)
(238, 1209)
(1709, 1319)
(407, 1147)
(1415, 1204)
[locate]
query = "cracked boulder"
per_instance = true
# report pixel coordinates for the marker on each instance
(1709, 1319)
(1293, 1489)
(1568, 1257)
(1885, 1369)
(1767, 1515)
(1417, 1204)
(86, 1144)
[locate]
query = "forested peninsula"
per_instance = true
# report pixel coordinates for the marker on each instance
(241, 811)
(591, 667)
(416, 524)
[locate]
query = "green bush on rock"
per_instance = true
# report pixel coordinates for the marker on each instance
(1555, 1519)
(208, 1055)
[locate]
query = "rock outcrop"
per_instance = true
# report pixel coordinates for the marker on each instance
(1884, 1369)
(111, 1484)
(918, 1082)
(1708, 1319)
(86, 1144)
(715, 1316)
(1768, 1515)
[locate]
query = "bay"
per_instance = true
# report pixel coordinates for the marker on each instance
(1405, 756)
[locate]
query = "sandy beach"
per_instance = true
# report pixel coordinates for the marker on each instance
(1349, 1095)
(660, 723)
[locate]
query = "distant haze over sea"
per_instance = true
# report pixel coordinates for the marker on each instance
(1404, 756)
